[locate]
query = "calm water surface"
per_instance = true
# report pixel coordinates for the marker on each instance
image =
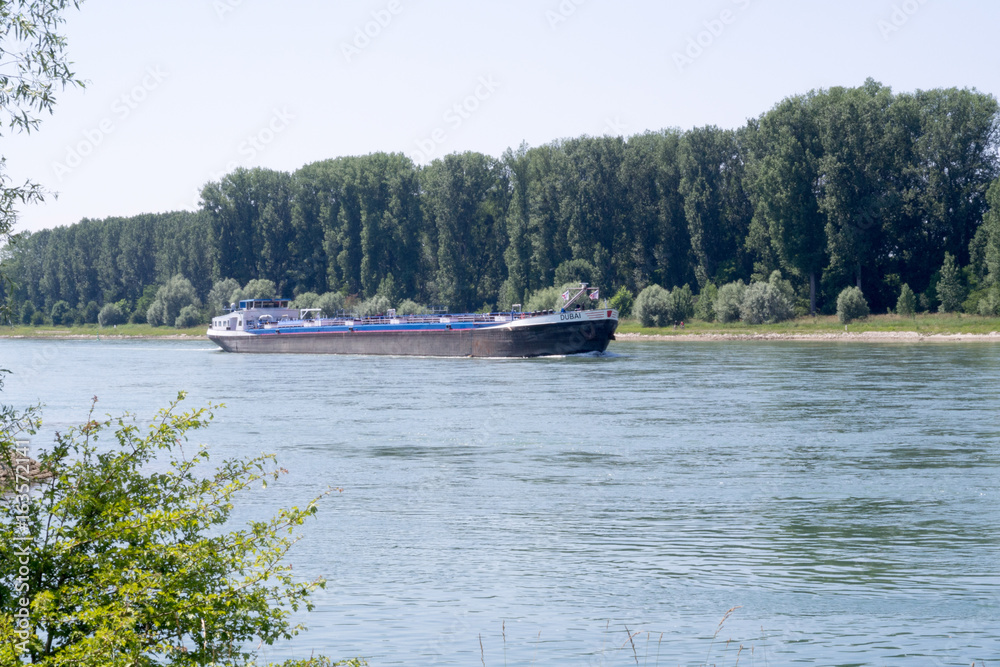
(845, 497)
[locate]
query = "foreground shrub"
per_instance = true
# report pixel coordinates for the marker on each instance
(134, 559)
(652, 307)
(851, 305)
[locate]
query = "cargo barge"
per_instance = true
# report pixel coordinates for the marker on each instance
(273, 326)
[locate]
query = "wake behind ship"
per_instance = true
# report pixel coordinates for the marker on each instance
(272, 326)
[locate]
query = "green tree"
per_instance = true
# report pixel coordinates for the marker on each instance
(622, 302)
(34, 66)
(409, 307)
(728, 300)
(783, 176)
(330, 303)
(716, 205)
(220, 297)
(764, 303)
(305, 300)
(135, 564)
(190, 316)
(110, 315)
(851, 305)
(704, 308)
(61, 313)
(27, 312)
(949, 288)
(906, 305)
(257, 289)
(170, 300)
(653, 307)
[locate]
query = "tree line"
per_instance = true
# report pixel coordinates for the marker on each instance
(834, 188)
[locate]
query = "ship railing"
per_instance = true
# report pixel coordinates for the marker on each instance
(426, 318)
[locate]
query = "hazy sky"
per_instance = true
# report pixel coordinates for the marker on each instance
(182, 92)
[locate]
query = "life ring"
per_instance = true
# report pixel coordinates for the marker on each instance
(589, 331)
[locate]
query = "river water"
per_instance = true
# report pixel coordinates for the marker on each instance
(845, 498)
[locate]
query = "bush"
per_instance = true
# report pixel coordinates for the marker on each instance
(907, 303)
(784, 287)
(136, 557)
(547, 298)
(704, 308)
(727, 303)
(110, 315)
(170, 300)
(305, 300)
(764, 303)
(949, 288)
(622, 302)
(989, 305)
(409, 307)
(680, 305)
(90, 312)
(220, 297)
(190, 316)
(256, 289)
(330, 303)
(851, 305)
(652, 307)
(38, 319)
(61, 313)
(27, 312)
(377, 305)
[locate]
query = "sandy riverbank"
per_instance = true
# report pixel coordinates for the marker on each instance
(847, 336)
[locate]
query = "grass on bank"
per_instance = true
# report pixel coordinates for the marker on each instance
(145, 330)
(923, 323)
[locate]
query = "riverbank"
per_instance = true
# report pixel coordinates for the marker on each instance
(92, 331)
(861, 337)
(924, 327)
